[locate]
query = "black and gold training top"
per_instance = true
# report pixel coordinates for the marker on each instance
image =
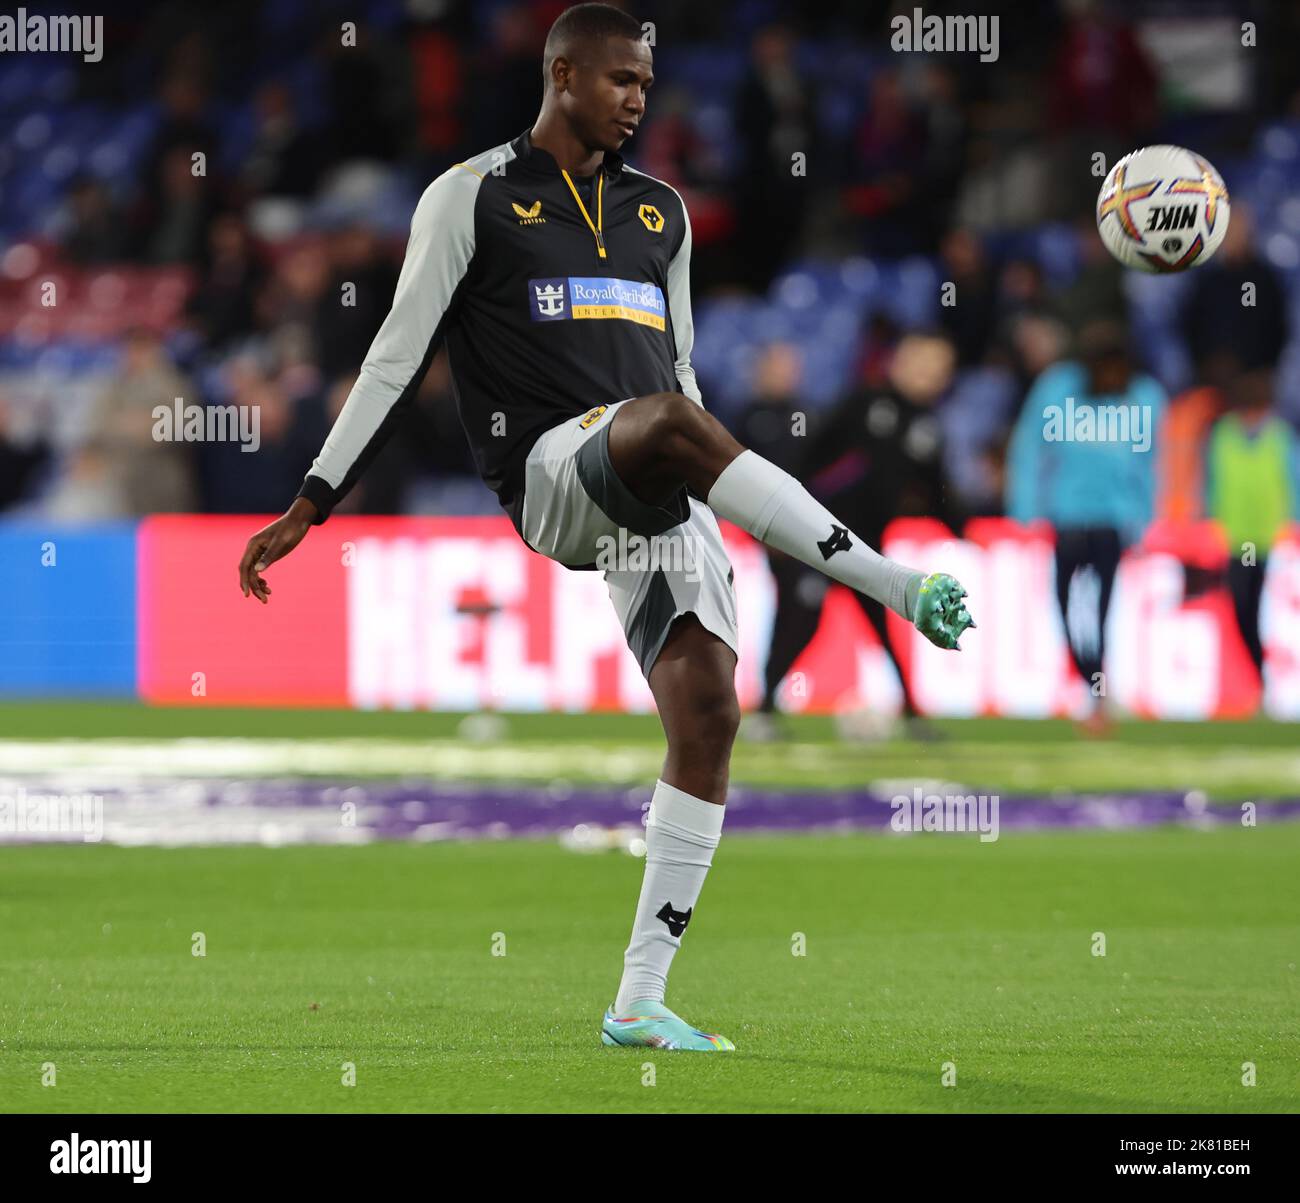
(554, 295)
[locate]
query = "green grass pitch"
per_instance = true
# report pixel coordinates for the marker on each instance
(1235, 761)
(920, 951)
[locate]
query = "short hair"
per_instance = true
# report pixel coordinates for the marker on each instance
(576, 28)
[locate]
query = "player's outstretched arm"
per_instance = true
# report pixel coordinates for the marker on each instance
(437, 257)
(272, 543)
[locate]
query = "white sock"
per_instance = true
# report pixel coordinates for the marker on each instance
(681, 833)
(777, 510)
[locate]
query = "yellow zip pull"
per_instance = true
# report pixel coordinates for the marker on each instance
(596, 228)
(600, 212)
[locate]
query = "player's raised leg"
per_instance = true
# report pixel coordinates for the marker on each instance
(693, 682)
(659, 442)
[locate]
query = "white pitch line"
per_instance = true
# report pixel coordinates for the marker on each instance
(335, 757)
(1277, 769)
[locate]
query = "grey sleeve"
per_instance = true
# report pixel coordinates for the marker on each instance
(438, 254)
(679, 307)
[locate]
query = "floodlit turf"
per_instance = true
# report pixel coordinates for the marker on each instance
(920, 951)
(1227, 761)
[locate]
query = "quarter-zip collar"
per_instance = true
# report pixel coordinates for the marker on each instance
(534, 158)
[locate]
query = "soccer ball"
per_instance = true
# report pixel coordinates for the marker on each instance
(1162, 209)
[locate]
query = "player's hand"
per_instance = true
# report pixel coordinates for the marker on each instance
(273, 543)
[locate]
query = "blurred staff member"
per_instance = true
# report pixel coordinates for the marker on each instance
(1184, 435)
(878, 456)
(1226, 334)
(1251, 491)
(1082, 457)
(1226, 338)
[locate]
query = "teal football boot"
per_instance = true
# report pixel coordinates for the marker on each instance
(652, 1025)
(939, 614)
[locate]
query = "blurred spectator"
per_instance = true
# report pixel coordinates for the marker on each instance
(172, 225)
(170, 216)
(1030, 336)
(20, 460)
(366, 90)
(771, 424)
(442, 447)
(975, 418)
(89, 489)
(971, 318)
(505, 85)
(222, 307)
(1227, 335)
(93, 229)
(1251, 481)
(890, 155)
(878, 456)
(428, 441)
(1097, 292)
(908, 158)
(1100, 78)
(185, 130)
(1102, 90)
(775, 425)
(347, 321)
(774, 121)
(241, 481)
(152, 475)
(289, 352)
(1007, 183)
(880, 448)
(671, 147)
(296, 290)
(1081, 457)
(285, 159)
(945, 133)
(878, 349)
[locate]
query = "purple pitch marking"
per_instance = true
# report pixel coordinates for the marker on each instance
(162, 811)
(475, 810)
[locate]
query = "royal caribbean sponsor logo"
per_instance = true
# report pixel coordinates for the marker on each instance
(580, 297)
(549, 299)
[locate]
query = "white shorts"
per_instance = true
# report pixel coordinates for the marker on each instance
(659, 561)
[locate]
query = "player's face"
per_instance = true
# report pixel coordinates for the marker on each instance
(608, 95)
